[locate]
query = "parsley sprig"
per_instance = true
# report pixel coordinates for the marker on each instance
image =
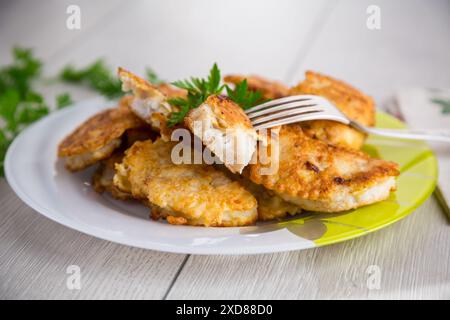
(244, 97)
(99, 77)
(20, 104)
(96, 76)
(198, 90)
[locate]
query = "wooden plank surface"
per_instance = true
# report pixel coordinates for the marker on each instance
(413, 257)
(410, 50)
(277, 39)
(35, 253)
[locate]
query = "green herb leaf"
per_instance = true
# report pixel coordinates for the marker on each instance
(198, 90)
(96, 76)
(152, 77)
(4, 144)
(9, 101)
(444, 103)
(214, 80)
(63, 100)
(20, 105)
(244, 97)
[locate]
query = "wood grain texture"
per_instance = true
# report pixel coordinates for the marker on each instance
(35, 253)
(42, 25)
(410, 49)
(413, 256)
(179, 38)
(183, 38)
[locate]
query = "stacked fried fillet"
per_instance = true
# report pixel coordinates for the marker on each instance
(318, 163)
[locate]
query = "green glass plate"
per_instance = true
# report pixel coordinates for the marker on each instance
(416, 182)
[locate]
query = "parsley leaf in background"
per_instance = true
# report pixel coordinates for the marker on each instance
(152, 77)
(445, 104)
(20, 105)
(97, 76)
(21, 72)
(63, 100)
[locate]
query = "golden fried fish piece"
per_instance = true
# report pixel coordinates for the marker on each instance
(225, 129)
(190, 194)
(269, 89)
(270, 205)
(97, 138)
(170, 91)
(102, 180)
(317, 176)
(353, 103)
(149, 102)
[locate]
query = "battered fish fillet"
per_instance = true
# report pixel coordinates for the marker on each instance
(225, 129)
(269, 89)
(102, 180)
(97, 138)
(270, 205)
(190, 194)
(149, 101)
(320, 177)
(353, 103)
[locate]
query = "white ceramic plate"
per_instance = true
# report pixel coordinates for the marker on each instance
(40, 180)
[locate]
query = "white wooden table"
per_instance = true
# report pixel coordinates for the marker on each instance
(278, 39)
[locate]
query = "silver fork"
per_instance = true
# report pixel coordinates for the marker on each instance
(309, 107)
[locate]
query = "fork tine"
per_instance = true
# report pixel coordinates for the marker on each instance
(285, 113)
(282, 107)
(320, 115)
(280, 101)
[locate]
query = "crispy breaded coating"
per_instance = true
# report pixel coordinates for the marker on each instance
(320, 177)
(170, 91)
(125, 102)
(97, 138)
(269, 89)
(352, 102)
(149, 102)
(270, 205)
(102, 180)
(190, 194)
(225, 129)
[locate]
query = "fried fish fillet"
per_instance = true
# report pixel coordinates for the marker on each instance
(102, 180)
(317, 176)
(269, 89)
(270, 205)
(149, 101)
(225, 129)
(97, 138)
(190, 194)
(353, 103)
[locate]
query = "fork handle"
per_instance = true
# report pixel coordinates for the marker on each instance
(430, 135)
